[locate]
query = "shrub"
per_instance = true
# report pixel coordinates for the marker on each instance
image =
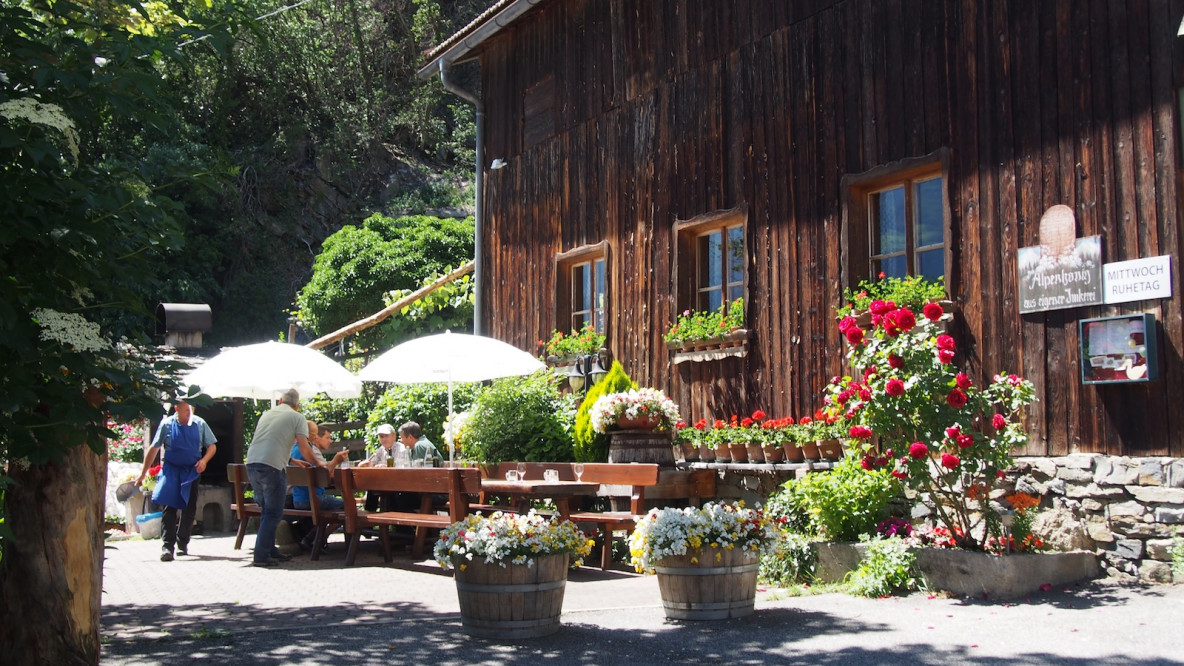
(887, 567)
(521, 418)
(426, 404)
(838, 505)
(589, 445)
(1177, 552)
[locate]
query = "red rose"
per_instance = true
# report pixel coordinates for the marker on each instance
(878, 307)
(865, 395)
(953, 431)
(895, 361)
(998, 422)
(933, 311)
(905, 319)
(880, 461)
(866, 463)
(950, 461)
(900, 474)
(918, 450)
(894, 387)
(846, 323)
(946, 342)
(965, 441)
(860, 431)
(963, 381)
(945, 356)
(956, 399)
(758, 415)
(854, 335)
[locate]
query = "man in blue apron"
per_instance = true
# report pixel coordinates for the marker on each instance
(188, 445)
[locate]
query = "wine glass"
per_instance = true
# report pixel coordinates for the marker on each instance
(578, 468)
(521, 471)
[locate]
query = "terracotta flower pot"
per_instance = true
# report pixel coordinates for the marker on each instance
(810, 451)
(773, 454)
(706, 453)
(690, 451)
(723, 453)
(756, 453)
(739, 452)
(830, 449)
(793, 453)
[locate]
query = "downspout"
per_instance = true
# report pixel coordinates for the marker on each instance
(479, 215)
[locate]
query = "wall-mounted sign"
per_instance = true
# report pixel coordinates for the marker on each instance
(1138, 279)
(1053, 280)
(1119, 349)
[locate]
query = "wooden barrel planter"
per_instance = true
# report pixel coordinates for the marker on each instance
(515, 601)
(708, 588)
(641, 446)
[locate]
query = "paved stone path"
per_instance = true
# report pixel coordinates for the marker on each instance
(213, 607)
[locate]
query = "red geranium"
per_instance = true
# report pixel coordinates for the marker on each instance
(758, 415)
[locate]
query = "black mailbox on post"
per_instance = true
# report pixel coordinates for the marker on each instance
(1121, 349)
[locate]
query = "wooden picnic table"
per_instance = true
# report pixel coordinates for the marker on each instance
(520, 493)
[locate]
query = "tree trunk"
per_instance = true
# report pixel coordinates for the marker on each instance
(51, 572)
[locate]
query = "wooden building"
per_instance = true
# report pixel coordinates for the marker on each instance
(630, 130)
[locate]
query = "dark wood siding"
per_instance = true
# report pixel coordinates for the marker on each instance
(668, 110)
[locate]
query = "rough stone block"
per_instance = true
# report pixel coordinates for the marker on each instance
(1091, 504)
(1075, 475)
(1157, 494)
(1158, 549)
(1061, 530)
(1057, 487)
(1044, 468)
(1128, 549)
(1079, 461)
(1028, 484)
(1155, 572)
(1175, 471)
(1141, 530)
(1125, 509)
(1099, 531)
(1094, 490)
(1151, 472)
(1169, 515)
(1116, 472)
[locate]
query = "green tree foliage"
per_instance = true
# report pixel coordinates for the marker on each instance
(592, 446)
(359, 265)
(521, 418)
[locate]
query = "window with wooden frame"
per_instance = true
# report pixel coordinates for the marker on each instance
(582, 288)
(711, 260)
(896, 221)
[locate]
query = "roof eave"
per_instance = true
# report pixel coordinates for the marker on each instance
(458, 47)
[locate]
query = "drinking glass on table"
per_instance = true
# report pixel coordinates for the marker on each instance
(522, 471)
(578, 468)
(551, 475)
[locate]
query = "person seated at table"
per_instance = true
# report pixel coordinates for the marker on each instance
(385, 451)
(420, 449)
(321, 441)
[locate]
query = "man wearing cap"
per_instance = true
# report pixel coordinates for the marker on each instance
(267, 458)
(385, 450)
(188, 445)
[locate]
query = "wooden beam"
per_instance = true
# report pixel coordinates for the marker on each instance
(363, 324)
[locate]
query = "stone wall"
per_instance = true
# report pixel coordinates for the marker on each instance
(1127, 510)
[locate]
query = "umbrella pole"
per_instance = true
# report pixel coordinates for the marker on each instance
(451, 437)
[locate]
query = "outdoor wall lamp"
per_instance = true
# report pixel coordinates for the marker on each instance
(588, 369)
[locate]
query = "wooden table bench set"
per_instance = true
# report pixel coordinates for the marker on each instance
(468, 490)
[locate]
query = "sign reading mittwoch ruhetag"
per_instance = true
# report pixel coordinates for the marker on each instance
(1138, 279)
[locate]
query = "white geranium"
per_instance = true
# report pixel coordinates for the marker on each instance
(510, 538)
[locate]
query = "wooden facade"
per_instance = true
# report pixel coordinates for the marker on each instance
(619, 119)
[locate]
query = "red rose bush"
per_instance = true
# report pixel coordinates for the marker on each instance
(908, 406)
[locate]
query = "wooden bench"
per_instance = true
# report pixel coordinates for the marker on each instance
(236, 473)
(323, 520)
(616, 480)
(458, 484)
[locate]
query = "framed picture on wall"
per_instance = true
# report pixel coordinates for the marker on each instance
(1119, 349)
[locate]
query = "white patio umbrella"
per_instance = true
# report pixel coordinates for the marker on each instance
(447, 358)
(265, 370)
